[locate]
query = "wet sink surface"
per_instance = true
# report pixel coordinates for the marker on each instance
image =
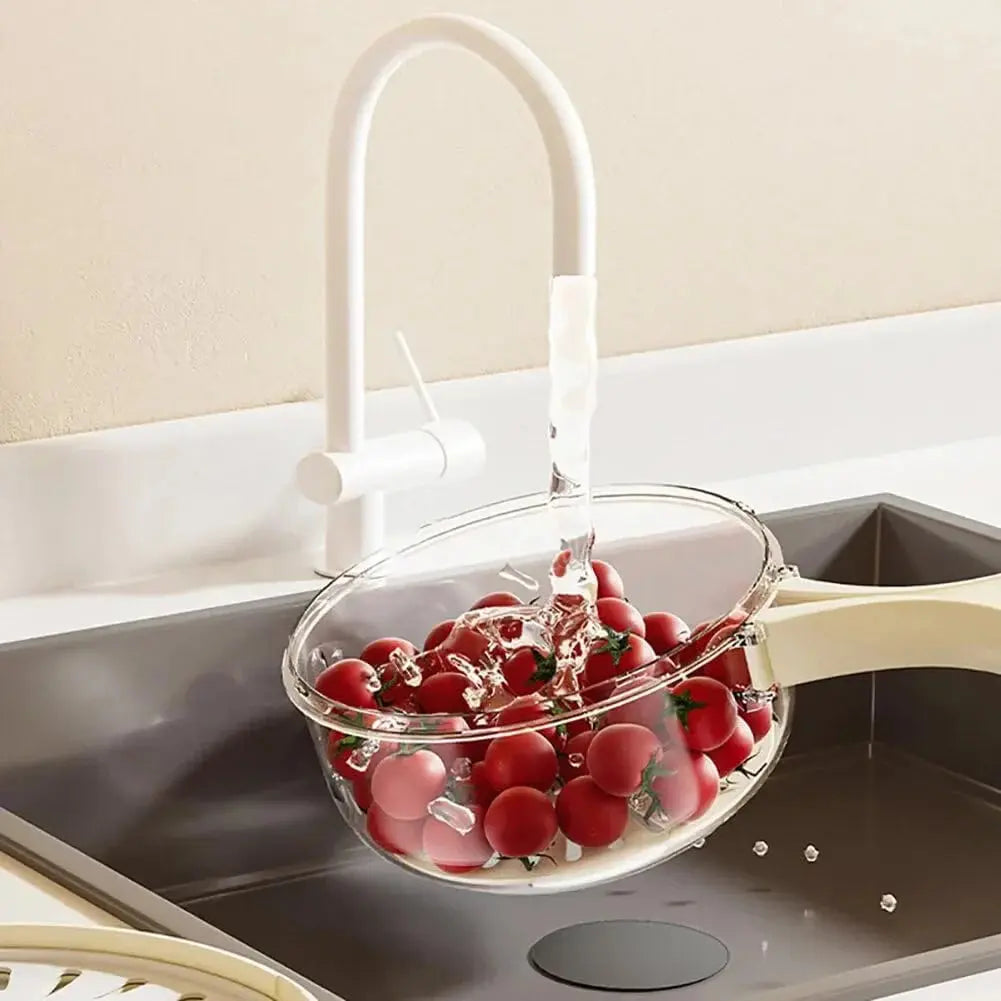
(372, 932)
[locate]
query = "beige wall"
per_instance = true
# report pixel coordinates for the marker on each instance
(761, 166)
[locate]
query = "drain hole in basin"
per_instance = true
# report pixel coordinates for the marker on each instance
(629, 955)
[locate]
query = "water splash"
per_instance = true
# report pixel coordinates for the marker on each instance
(511, 573)
(810, 853)
(460, 818)
(760, 848)
(888, 902)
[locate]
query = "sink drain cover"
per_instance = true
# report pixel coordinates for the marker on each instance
(629, 955)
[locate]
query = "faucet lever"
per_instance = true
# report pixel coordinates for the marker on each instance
(414, 373)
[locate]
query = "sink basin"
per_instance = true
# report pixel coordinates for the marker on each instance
(168, 751)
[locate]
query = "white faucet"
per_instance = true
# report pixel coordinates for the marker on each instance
(351, 476)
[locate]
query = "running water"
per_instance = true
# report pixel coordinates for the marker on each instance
(564, 628)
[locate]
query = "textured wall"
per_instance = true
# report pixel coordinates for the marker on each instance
(761, 166)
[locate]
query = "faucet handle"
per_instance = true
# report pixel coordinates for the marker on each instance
(418, 384)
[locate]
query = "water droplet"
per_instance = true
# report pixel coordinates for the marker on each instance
(809, 913)
(391, 723)
(810, 853)
(323, 655)
(764, 947)
(888, 902)
(491, 862)
(509, 572)
(462, 768)
(460, 818)
(575, 760)
(474, 696)
(359, 758)
(373, 684)
(760, 848)
(701, 843)
(573, 851)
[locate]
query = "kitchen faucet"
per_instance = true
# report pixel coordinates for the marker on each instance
(352, 474)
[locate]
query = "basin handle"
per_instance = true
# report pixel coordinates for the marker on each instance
(816, 630)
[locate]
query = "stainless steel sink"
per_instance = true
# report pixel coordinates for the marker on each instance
(167, 751)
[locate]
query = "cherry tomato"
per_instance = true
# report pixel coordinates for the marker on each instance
(609, 582)
(395, 691)
(576, 749)
(498, 599)
(524, 759)
(709, 637)
(687, 785)
(527, 710)
(479, 785)
(437, 635)
(707, 711)
(404, 784)
(621, 654)
(729, 668)
(361, 789)
(734, 751)
(340, 747)
(520, 821)
(377, 652)
(398, 837)
(758, 717)
(647, 710)
(465, 642)
(588, 815)
(449, 750)
(351, 682)
(452, 851)
(527, 670)
(443, 693)
(665, 631)
(618, 614)
(620, 756)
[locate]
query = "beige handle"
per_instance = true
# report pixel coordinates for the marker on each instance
(816, 630)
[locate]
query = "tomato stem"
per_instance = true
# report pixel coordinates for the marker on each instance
(615, 644)
(545, 667)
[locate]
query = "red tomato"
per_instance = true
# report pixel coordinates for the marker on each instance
(620, 755)
(525, 759)
(442, 693)
(451, 851)
(577, 750)
(398, 837)
(437, 635)
(648, 710)
(498, 599)
(758, 717)
(707, 711)
(404, 784)
(526, 710)
(614, 658)
(340, 747)
(618, 614)
(465, 642)
(527, 670)
(377, 652)
(588, 815)
(449, 750)
(609, 582)
(361, 789)
(729, 668)
(520, 821)
(351, 682)
(479, 785)
(734, 751)
(708, 637)
(688, 787)
(665, 631)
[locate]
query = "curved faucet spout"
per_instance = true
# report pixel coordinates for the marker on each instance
(355, 527)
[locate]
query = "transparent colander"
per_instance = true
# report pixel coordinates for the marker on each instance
(691, 553)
